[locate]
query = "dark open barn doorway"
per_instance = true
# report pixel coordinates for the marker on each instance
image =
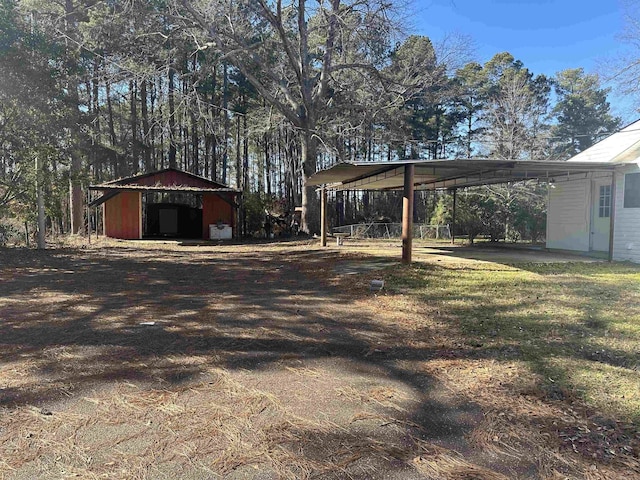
(171, 215)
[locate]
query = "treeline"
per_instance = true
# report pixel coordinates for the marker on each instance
(259, 95)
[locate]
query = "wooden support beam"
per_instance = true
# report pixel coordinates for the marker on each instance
(453, 219)
(612, 217)
(323, 216)
(407, 213)
(140, 216)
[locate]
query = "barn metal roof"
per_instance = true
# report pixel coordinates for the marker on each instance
(169, 180)
(188, 176)
(161, 188)
(448, 174)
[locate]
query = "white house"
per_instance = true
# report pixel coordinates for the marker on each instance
(598, 210)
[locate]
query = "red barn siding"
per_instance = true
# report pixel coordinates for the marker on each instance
(123, 216)
(123, 213)
(214, 210)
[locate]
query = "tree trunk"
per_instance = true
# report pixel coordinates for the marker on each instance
(195, 141)
(340, 208)
(172, 119)
(135, 153)
(469, 128)
(239, 176)
(239, 185)
(98, 161)
(151, 139)
(146, 134)
(225, 112)
(75, 189)
(112, 129)
(245, 156)
(310, 221)
(267, 165)
(213, 139)
(160, 164)
(75, 194)
(40, 201)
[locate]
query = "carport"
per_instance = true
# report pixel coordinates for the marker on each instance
(450, 174)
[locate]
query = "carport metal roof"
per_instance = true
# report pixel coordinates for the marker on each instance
(449, 174)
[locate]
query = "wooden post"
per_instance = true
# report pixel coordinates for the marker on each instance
(407, 213)
(453, 219)
(612, 213)
(140, 216)
(323, 216)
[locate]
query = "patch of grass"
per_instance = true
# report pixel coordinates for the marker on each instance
(576, 326)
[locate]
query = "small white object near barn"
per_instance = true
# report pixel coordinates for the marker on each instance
(588, 214)
(220, 231)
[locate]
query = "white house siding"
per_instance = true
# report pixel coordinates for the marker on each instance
(626, 243)
(568, 215)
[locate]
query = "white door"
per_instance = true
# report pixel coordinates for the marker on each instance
(600, 214)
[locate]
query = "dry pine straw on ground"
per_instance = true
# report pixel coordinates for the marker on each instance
(525, 413)
(524, 417)
(143, 431)
(109, 427)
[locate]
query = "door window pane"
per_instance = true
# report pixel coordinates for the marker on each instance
(605, 201)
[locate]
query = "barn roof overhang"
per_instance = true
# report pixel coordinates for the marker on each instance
(111, 190)
(188, 177)
(448, 174)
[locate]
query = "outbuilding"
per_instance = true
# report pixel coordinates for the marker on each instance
(600, 212)
(167, 203)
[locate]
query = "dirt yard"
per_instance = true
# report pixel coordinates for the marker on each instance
(145, 360)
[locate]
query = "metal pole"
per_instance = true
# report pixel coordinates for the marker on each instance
(453, 219)
(612, 213)
(407, 213)
(323, 216)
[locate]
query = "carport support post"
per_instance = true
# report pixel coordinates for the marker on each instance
(407, 213)
(323, 216)
(612, 215)
(453, 219)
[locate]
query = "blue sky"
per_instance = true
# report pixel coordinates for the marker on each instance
(546, 35)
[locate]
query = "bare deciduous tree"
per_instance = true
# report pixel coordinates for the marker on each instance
(292, 53)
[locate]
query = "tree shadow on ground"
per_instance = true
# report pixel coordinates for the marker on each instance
(77, 321)
(563, 320)
(81, 320)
